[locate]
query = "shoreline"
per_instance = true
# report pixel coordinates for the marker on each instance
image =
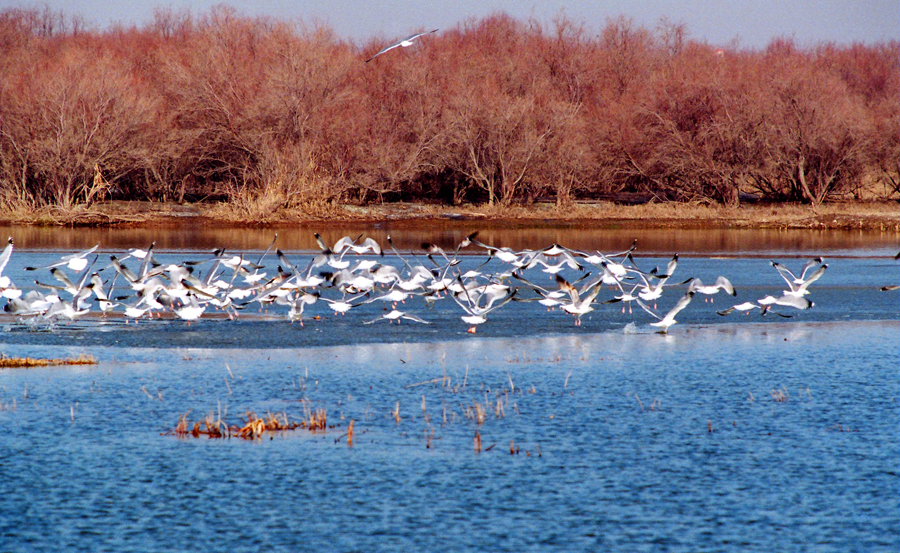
(872, 216)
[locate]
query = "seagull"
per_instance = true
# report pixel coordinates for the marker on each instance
(139, 253)
(335, 255)
(668, 320)
(395, 315)
(581, 300)
(787, 300)
(406, 42)
(786, 273)
(625, 298)
(505, 254)
(618, 269)
(342, 306)
(347, 243)
(394, 296)
(192, 310)
(295, 313)
(722, 283)
(476, 314)
(566, 260)
(20, 308)
(75, 262)
(549, 298)
(653, 291)
(256, 277)
(798, 285)
(745, 307)
(5, 282)
(67, 284)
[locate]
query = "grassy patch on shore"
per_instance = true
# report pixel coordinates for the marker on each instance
(869, 215)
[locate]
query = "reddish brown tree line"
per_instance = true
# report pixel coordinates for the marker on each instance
(497, 110)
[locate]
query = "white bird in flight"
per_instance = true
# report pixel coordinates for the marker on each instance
(5, 282)
(395, 315)
(668, 319)
(798, 285)
(408, 41)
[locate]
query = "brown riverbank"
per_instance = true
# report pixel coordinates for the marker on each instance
(884, 216)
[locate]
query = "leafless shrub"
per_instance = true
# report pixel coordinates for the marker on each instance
(271, 117)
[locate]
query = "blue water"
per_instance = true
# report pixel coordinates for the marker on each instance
(627, 440)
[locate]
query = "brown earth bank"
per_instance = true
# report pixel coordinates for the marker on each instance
(883, 216)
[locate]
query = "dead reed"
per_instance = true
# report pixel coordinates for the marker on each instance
(780, 395)
(317, 421)
(476, 413)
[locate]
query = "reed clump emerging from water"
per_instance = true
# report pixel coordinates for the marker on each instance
(252, 428)
(29, 362)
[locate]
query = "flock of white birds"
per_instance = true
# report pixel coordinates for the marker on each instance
(353, 273)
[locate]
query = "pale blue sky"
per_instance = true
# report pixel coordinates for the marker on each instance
(752, 23)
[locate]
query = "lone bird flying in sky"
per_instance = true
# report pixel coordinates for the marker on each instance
(404, 43)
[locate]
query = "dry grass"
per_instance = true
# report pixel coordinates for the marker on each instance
(263, 210)
(28, 362)
(849, 215)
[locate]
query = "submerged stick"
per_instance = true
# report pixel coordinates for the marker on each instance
(432, 381)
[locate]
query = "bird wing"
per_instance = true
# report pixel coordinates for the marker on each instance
(405, 42)
(797, 302)
(725, 284)
(817, 274)
(383, 50)
(409, 317)
(809, 265)
(65, 259)
(648, 310)
(566, 287)
(785, 273)
(4, 257)
(682, 303)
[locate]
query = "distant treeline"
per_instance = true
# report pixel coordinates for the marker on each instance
(226, 107)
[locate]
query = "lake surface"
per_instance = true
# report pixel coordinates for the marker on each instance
(408, 235)
(737, 433)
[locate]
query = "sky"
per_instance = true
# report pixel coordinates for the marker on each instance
(742, 23)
